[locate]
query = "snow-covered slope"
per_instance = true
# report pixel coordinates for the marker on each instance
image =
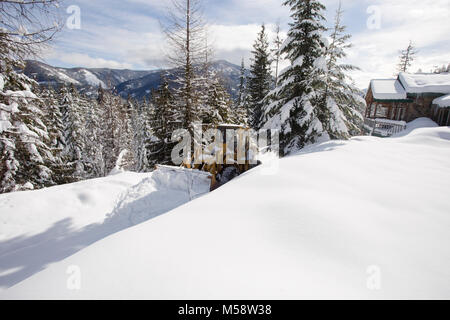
(40, 227)
(365, 218)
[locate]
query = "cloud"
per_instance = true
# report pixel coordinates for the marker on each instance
(425, 22)
(124, 34)
(84, 60)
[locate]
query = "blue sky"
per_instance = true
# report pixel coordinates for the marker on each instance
(127, 33)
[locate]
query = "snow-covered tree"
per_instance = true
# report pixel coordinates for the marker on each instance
(113, 129)
(259, 79)
(165, 119)
(53, 119)
(296, 108)
(242, 85)
(129, 159)
(25, 155)
(93, 154)
(186, 35)
(343, 100)
(74, 117)
(140, 121)
(219, 104)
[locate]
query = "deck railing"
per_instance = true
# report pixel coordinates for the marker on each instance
(384, 127)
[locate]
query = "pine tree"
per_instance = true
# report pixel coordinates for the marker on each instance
(73, 112)
(260, 78)
(113, 127)
(342, 99)
(240, 112)
(129, 161)
(26, 158)
(165, 119)
(55, 127)
(297, 110)
(242, 87)
(219, 105)
(140, 129)
(407, 56)
(93, 154)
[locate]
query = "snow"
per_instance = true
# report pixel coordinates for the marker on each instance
(40, 227)
(388, 121)
(330, 217)
(426, 82)
(442, 102)
(92, 79)
(389, 89)
(2, 82)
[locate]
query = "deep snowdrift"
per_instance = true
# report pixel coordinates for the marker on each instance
(38, 228)
(336, 217)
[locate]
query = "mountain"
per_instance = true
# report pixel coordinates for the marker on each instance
(137, 84)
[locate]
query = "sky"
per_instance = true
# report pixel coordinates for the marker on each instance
(127, 34)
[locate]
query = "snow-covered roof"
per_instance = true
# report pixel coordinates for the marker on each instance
(442, 102)
(389, 89)
(426, 82)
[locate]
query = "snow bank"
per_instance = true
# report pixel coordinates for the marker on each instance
(25, 214)
(41, 227)
(443, 102)
(365, 218)
(420, 123)
(426, 82)
(390, 89)
(166, 189)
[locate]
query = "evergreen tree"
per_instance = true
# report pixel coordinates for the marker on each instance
(140, 121)
(260, 78)
(129, 161)
(112, 129)
(242, 88)
(343, 101)
(165, 119)
(93, 153)
(25, 156)
(219, 103)
(73, 112)
(297, 109)
(55, 127)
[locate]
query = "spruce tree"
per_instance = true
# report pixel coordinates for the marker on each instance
(343, 101)
(25, 155)
(112, 129)
(242, 88)
(165, 119)
(219, 105)
(74, 112)
(297, 109)
(260, 78)
(53, 120)
(93, 154)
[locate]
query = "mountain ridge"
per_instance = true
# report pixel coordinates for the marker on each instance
(135, 83)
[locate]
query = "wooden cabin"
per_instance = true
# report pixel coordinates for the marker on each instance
(394, 102)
